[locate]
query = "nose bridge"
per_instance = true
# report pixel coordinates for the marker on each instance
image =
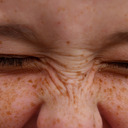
(62, 115)
(78, 109)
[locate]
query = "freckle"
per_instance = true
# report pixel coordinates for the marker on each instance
(8, 20)
(79, 125)
(94, 125)
(34, 86)
(110, 90)
(117, 113)
(120, 81)
(42, 91)
(68, 42)
(91, 93)
(113, 87)
(58, 120)
(54, 122)
(18, 78)
(100, 80)
(108, 98)
(123, 89)
(118, 107)
(104, 90)
(105, 83)
(125, 14)
(61, 9)
(32, 104)
(58, 22)
(119, 97)
(86, 60)
(1, 1)
(8, 113)
(112, 103)
(81, 12)
(30, 81)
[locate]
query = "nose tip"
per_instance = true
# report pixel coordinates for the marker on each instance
(68, 118)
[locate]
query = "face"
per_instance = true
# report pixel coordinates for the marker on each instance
(63, 64)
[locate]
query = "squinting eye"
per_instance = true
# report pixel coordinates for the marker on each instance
(118, 67)
(16, 63)
(14, 60)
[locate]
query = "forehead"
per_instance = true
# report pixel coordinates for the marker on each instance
(79, 21)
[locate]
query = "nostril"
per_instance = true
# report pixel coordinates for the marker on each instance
(32, 122)
(105, 123)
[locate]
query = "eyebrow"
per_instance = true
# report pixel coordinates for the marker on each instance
(20, 32)
(25, 33)
(114, 39)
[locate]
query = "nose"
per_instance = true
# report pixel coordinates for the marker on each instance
(63, 115)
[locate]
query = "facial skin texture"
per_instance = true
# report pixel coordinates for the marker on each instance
(66, 88)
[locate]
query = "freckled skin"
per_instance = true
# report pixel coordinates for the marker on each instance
(68, 92)
(113, 98)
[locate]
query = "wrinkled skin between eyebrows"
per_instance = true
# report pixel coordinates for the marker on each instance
(69, 90)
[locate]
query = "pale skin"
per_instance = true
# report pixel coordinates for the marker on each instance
(65, 84)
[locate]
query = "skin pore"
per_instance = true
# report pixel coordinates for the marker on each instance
(63, 64)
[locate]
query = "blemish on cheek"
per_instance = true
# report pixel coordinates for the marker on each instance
(18, 79)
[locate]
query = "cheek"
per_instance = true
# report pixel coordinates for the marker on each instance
(113, 99)
(19, 99)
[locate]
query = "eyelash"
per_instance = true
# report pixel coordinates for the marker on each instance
(117, 64)
(15, 61)
(117, 67)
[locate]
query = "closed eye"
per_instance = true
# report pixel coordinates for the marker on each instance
(15, 60)
(18, 64)
(118, 67)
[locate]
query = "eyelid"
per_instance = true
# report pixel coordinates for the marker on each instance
(18, 63)
(117, 67)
